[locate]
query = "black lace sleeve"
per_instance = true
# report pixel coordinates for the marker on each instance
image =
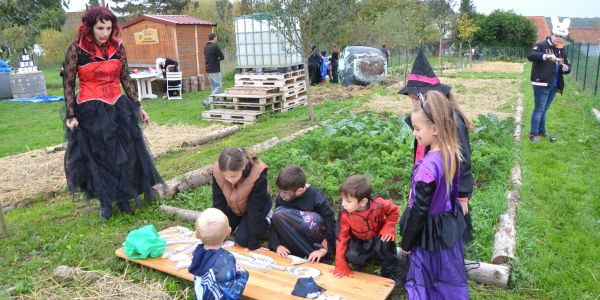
(128, 84)
(69, 76)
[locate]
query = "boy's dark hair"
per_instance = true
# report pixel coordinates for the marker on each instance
(323, 53)
(291, 178)
(356, 186)
(211, 36)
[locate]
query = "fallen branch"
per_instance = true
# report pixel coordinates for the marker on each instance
(3, 229)
(186, 214)
(56, 148)
(212, 136)
(66, 273)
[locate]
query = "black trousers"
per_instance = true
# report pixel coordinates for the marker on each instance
(361, 252)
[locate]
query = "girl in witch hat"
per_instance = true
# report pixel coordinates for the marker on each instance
(422, 80)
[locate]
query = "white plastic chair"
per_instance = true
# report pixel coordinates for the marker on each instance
(172, 78)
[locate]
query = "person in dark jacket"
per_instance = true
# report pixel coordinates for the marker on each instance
(213, 57)
(421, 80)
(550, 62)
(314, 66)
(335, 58)
(240, 190)
(303, 223)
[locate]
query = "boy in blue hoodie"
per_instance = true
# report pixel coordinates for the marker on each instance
(215, 273)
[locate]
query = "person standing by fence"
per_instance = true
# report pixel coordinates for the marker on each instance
(213, 57)
(550, 62)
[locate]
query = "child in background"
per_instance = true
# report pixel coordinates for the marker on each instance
(433, 224)
(215, 273)
(303, 223)
(367, 231)
(324, 66)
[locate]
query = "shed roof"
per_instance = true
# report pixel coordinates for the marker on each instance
(543, 30)
(170, 20)
(585, 35)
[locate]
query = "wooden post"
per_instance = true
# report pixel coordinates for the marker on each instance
(221, 133)
(194, 83)
(3, 229)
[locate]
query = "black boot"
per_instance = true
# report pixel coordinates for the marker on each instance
(105, 210)
(126, 208)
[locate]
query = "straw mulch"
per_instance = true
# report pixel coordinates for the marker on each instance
(39, 173)
(100, 286)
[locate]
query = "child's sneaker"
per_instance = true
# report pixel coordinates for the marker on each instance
(534, 138)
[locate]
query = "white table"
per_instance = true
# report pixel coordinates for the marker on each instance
(144, 84)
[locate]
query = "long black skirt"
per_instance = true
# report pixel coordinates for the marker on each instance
(107, 157)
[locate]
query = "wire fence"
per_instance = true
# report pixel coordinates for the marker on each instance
(454, 57)
(585, 66)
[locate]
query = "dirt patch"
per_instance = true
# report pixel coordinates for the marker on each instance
(475, 97)
(496, 66)
(35, 173)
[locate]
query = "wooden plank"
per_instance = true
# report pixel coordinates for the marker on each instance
(251, 90)
(276, 284)
(249, 99)
(268, 76)
(262, 107)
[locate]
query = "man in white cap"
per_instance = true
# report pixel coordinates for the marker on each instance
(550, 62)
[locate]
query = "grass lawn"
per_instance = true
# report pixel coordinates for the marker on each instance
(558, 231)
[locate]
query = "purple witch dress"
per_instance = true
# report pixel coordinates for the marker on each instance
(432, 229)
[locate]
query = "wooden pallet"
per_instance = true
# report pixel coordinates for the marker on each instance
(267, 83)
(242, 90)
(268, 76)
(286, 106)
(247, 99)
(231, 116)
(293, 85)
(287, 95)
(246, 106)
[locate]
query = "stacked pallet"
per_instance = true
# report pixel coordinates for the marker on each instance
(255, 94)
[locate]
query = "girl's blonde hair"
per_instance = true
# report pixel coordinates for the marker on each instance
(440, 112)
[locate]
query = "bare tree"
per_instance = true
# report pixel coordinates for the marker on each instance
(443, 15)
(303, 23)
(405, 27)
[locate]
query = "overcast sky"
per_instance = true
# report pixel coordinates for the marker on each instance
(547, 8)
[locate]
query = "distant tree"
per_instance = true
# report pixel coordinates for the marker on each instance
(504, 29)
(466, 7)
(306, 22)
(466, 29)
(154, 7)
(443, 17)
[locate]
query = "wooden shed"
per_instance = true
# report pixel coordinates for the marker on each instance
(178, 37)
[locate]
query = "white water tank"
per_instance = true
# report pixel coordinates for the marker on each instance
(260, 45)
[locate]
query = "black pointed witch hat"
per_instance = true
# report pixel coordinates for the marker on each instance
(422, 78)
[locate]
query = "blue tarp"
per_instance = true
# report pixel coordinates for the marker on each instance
(38, 98)
(4, 67)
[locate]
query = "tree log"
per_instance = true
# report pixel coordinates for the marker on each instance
(3, 229)
(596, 113)
(185, 214)
(515, 175)
(56, 148)
(66, 273)
(194, 83)
(221, 133)
(266, 145)
(504, 240)
(488, 273)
